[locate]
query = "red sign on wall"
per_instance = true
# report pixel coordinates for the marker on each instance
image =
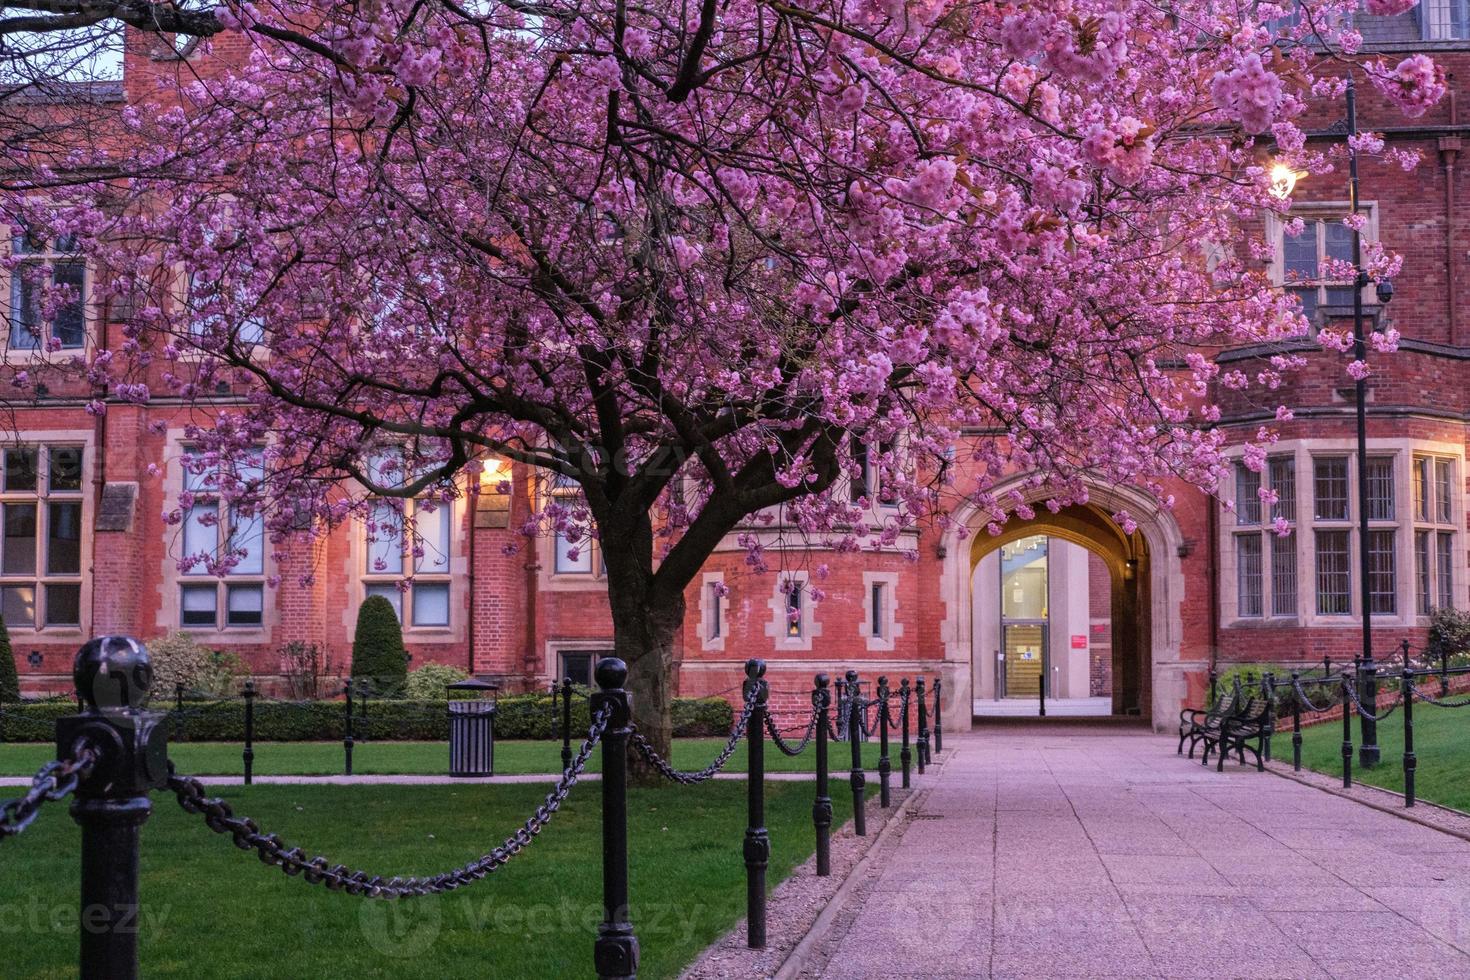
(1079, 641)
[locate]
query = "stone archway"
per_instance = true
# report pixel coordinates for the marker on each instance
(1127, 559)
(1147, 594)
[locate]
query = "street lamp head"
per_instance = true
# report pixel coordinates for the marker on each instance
(1283, 177)
(1385, 291)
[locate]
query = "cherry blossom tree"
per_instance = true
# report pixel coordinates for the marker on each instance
(702, 261)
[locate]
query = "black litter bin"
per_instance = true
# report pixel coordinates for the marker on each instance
(472, 728)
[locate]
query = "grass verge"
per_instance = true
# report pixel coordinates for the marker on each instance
(1441, 746)
(427, 758)
(212, 910)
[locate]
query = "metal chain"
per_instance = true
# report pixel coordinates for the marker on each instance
(781, 744)
(902, 697)
(1306, 701)
(53, 781)
(838, 732)
(666, 769)
(1352, 690)
(220, 818)
(1437, 702)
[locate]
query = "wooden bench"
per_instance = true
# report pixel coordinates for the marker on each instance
(1195, 725)
(1256, 722)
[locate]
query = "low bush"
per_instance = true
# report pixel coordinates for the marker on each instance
(178, 659)
(427, 683)
(520, 716)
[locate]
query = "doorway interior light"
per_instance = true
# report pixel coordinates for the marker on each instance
(1283, 177)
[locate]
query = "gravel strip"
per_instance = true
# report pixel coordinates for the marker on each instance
(1443, 818)
(795, 904)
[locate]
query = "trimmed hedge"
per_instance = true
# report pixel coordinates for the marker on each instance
(9, 677)
(521, 716)
(377, 646)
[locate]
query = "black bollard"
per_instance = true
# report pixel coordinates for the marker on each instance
(843, 715)
(1296, 723)
(938, 716)
(1411, 761)
(904, 756)
(1040, 694)
(615, 953)
(347, 737)
(884, 766)
(112, 676)
(1347, 734)
(822, 808)
(566, 723)
(1214, 686)
(856, 778)
(923, 744)
(248, 756)
(1444, 670)
(1268, 683)
(757, 840)
(178, 709)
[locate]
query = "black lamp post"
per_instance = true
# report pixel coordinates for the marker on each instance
(1368, 750)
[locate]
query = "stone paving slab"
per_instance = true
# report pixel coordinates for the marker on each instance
(1098, 853)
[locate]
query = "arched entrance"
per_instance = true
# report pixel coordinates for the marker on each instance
(1032, 628)
(1145, 593)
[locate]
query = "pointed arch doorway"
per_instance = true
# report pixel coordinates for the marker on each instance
(1060, 603)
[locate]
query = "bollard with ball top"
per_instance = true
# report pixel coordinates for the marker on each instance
(113, 676)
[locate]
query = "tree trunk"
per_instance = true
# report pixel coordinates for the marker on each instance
(645, 626)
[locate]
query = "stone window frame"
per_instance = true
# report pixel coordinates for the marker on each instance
(891, 628)
(777, 626)
(1439, 518)
(1319, 212)
(870, 485)
(409, 578)
(172, 582)
(550, 484)
(1254, 520)
(48, 257)
(1303, 451)
(713, 610)
(223, 586)
(553, 650)
(355, 564)
(42, 441)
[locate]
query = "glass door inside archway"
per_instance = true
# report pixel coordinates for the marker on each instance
(1024, 616)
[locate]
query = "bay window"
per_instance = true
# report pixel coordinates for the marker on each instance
(1434, 533)
(1265, 561)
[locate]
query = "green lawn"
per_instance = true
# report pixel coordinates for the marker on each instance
(212, 910)
(1441, 745)
(376, 758)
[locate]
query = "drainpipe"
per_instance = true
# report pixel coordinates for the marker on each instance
(1449, 149)
(474, 497)
(1214, 566)
(532, 567)
(99, 469)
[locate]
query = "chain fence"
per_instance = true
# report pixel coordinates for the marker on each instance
(118, 754)
(220, 817)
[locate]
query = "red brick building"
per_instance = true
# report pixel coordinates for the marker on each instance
(1135, 619)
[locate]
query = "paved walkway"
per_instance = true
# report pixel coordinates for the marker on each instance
(1098, 854)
